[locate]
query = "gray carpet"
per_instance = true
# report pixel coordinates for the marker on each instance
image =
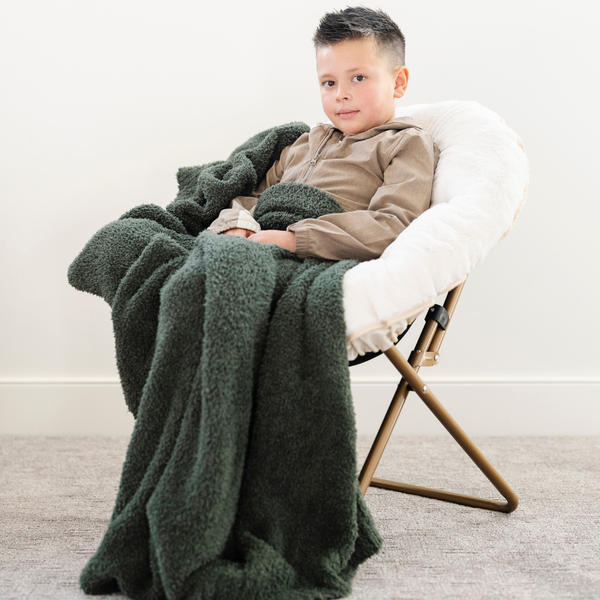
(56, 496)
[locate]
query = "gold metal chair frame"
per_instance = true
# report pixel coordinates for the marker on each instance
(425, 354)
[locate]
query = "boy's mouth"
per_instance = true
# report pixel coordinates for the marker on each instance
(346, 113)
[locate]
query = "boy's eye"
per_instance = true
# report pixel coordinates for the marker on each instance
(358, 78)
(328, 84)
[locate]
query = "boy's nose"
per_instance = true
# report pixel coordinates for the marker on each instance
(342, 93)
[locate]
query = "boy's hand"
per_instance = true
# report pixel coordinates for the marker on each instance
(238, 231)
(285, 239)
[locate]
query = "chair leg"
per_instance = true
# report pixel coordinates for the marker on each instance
(383, 437)
(411, 380)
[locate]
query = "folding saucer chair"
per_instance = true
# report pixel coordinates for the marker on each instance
(479, 188)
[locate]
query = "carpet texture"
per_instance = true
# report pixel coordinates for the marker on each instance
(57, 494)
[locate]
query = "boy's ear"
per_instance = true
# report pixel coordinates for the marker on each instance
(401, 81)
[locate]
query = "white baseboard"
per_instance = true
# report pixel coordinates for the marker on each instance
(63, 408)
(488, 408)
(71, 407)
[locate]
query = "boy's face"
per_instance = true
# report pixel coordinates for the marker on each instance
(358, 86)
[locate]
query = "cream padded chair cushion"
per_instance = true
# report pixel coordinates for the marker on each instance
(478, 190)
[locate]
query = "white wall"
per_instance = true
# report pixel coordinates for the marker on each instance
(103, 101)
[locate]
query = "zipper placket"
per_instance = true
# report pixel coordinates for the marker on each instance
(317, 155)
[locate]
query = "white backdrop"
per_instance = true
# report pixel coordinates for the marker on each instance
(103, 101)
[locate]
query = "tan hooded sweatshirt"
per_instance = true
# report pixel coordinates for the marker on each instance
(381, 177)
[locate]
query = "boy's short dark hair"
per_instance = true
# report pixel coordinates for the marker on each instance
(360, 22)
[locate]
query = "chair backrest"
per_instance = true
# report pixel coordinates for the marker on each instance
(479, 188)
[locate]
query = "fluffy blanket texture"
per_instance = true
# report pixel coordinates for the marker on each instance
(478, 191)
(240, 477)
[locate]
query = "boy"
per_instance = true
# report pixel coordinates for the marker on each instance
(379, 168)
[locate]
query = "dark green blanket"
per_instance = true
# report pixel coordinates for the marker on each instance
(240, 477)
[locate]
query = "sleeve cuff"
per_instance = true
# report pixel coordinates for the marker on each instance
(247, 221)
(240, 219)
(301, 239)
